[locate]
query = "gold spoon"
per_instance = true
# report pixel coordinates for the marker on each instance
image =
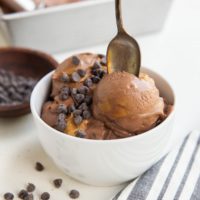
(123, 52)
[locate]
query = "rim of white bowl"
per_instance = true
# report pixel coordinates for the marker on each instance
(121, 140)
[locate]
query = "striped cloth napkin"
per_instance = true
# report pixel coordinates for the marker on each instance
(174, 177)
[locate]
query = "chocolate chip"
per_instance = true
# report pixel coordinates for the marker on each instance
(79, 98)
(75, 60)
(75, 77)
(88, 82)
(103, 61)
(86, 114)
(39, 167)
(74, 194)
(65, 78)
(80, 134)
(71, 108)
(81, 72)
(8, 196)
(78, 119)
(4, 98)
(57, 182)
(61, 117)
(62, 108)
(11, 90)
(102, 73)
(61, 123)
(95, 79)
(45, 196)
(83, 106)
(63, 96)
(61, 126)
(17, 97)
(15, 88)
(64, 93)
(29, 197)
(30, 187)
(77, 113)
(96, 65)
(96, 72)
(83, 90)
(65, 90)
(88, 99)
(23, 194)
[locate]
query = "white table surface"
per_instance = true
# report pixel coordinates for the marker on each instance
(174, 52)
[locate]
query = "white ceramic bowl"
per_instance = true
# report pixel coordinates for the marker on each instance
(103, 163)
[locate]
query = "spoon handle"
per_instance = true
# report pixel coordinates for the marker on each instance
(119, 16)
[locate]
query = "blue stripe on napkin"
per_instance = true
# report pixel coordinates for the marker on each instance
(144, 185)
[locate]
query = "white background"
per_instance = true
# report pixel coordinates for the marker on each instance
(174, 52)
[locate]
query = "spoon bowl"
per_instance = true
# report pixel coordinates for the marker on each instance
(123, 52)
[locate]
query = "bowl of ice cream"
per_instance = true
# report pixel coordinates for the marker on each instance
(103, 129)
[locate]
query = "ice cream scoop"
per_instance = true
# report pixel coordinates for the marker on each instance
(127, 104)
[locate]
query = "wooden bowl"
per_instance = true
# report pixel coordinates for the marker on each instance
(28, 63)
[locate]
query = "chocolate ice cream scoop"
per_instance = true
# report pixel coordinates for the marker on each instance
(69, 107)
(127, 104)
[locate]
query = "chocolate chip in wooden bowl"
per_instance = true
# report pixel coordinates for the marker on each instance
(78, 119)
(15, 88)
(39, 166)
(81, 72)
(65, 78)
(74, 194)
(57, 182)
(30, 187)
(4, 99)
(23, 194)
(88, 82)
(75, 60)
(45, 196)
(75, 77)
(80, 134)
(8, 196)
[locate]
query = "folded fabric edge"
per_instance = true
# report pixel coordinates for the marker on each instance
(124, 193)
